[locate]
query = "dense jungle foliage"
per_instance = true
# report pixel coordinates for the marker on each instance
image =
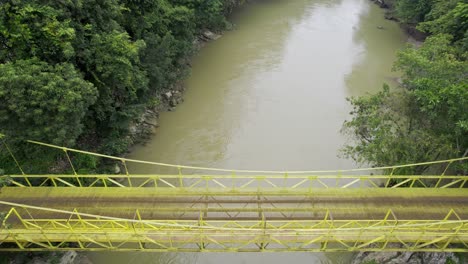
(82, 70)
(427, 117)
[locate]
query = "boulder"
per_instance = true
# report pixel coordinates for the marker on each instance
(381, 3)
(173, 102)
(117, 169)
(152, 122)
(382, 257)
(82, 258)
(208, 35)
(168, 95)
(68, 257)
(440, 258)
(132, 129)
(150, 112)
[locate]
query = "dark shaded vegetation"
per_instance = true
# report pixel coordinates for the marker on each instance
(79, 72)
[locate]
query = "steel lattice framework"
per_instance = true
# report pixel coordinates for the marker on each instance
(97, 233)
(235, 211)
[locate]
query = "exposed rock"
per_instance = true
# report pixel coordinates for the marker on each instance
(381, 3)
(68, 257)
(82, 259)
(380, 27)
(405, 257)
(168, 95)
(439, 258)
(149, 112)
(413, 32)
(133, 129)
(390, 16)
(152, 122)
(364, 257)
(209, 36)
(173, 102)
(117, 169)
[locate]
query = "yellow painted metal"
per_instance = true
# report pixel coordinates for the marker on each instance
(180, 203)
(236, 210)
(81, 231)
(236, 182)
(359, 227)
(179, 168)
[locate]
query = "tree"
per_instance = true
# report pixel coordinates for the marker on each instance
(448, 17)
(436, 80)
(113, 62)
(385, 132)
(426, 120)
(413, 11)
(28, 29)
(207, 13)
(43, 102)
(125, 51)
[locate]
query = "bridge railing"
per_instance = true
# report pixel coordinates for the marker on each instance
(236, 182)
(193, 177)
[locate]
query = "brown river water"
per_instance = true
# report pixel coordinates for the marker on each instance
(271, 95)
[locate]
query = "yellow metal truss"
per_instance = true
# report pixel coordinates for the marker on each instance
(97, 233)
(35, 228)
(237, 182)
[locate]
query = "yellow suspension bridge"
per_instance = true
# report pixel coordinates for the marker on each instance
(218, 210)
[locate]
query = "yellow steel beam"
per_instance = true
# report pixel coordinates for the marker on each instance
(223, 182)
(280, 203)
(97, 232)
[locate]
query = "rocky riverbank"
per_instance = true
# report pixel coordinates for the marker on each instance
(167, 100)
(410, 29)
(406, 257)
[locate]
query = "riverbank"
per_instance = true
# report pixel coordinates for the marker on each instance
(410, 29)
(166, 100)
(405, 257)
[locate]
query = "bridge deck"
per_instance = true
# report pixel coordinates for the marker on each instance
(236, 220)
(187, 204)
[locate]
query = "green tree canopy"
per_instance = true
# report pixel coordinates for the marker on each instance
(449, 17)
(426, 120)
(436, 80)
(413, 11)
(28, 29)
(384, 131)
(43, 102)
(124, 51)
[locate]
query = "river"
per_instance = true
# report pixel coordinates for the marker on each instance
(271, 95)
